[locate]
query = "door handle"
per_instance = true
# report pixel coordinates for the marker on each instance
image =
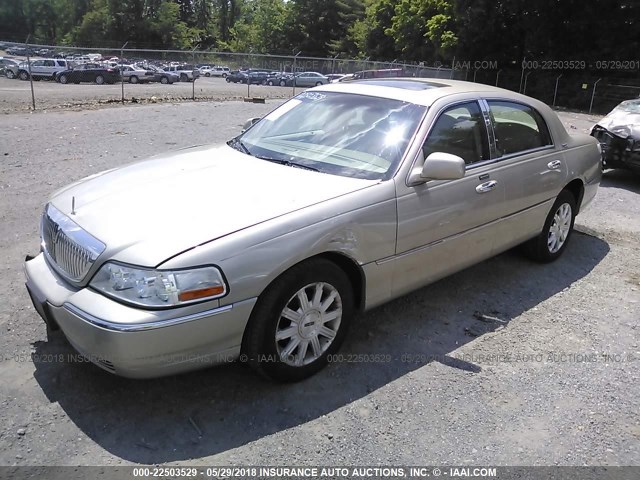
(554, 165)
(486, 186)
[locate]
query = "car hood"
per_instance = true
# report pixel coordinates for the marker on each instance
(624, 120)
(150, 211)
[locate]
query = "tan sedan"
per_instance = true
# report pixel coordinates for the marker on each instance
(343, 198)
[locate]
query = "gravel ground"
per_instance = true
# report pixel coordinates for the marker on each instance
(552, 380)
(15, 95)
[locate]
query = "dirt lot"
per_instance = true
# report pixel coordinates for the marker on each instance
(555, 380)
(15, 95)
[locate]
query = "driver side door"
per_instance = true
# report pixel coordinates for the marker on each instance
(447, 225)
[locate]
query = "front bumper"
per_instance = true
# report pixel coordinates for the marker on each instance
(133, 342)
(617, 152)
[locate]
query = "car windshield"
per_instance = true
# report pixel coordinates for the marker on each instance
(342, 134)
(630, 106)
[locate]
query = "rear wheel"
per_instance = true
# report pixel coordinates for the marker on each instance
(23, 75)
(228, 80)
(164, 80)
(183, 77)
(299, 321)
(11, 74)
(99, 79)
(558, 226)
(283, 83)
(133, 79)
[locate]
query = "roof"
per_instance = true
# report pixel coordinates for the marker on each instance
(421, 91)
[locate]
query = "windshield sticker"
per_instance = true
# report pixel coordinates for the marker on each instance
(313, 96)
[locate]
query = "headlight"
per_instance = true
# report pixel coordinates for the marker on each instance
(159, 288)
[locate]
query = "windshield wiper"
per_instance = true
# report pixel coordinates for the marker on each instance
(288, 163)
(237, 144)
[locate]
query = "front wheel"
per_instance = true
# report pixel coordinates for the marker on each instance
(318, 84)
(552, 241)
(183, 77)
(283, 83)
(133, 79)
(299, 321)
(11, 74)
(23, 75)
(100, 80)
(228, 80)
(164, 80)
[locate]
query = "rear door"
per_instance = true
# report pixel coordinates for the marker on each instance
(533, 166)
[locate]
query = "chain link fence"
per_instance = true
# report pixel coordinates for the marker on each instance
(583, 89)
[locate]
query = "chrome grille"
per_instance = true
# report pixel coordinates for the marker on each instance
(71, 250)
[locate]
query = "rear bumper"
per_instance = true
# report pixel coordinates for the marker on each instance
(132, 342)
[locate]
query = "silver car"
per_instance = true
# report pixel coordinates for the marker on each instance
(341, 199)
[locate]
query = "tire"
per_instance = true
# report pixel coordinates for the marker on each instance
(23, 75)
(270, 83)
(133, 79)
(283, 83)
(275, 346)
(164, 80)
(318, 84)
(99, 79)
(555, 235)
(184, 77)
(263, 82)
(64, 79)
(207, 74)
(228, 80)
(10, 74)
(224, 75)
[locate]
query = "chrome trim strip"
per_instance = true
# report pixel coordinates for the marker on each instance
(141, 327)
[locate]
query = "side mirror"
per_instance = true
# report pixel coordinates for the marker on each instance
(438, 166)
(250, 123)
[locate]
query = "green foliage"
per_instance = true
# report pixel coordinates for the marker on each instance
(409, 30)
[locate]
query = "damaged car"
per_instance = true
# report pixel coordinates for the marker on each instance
(619, 136)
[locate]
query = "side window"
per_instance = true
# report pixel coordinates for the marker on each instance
(517, 127)
(459, 130)
(49, 63)
(37, 63)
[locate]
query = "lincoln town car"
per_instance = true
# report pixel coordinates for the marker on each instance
(265, 248)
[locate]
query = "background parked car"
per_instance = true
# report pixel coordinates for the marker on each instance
(308, 79)
(162, 76)
(5, 63)
(220, 72)
(186, 73)
(89, 72)
(258, 77)
(136, 74)
(45, 68)
(278, 78)
(237, 77)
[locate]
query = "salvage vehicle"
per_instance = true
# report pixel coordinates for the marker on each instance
(341, 199)
(619, 136)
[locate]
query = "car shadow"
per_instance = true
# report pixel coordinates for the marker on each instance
(212, 411)
(620, 178)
